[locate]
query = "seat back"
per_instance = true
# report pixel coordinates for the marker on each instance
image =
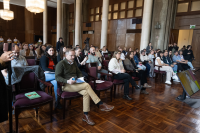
(27, 83)
(31, 62)
(105, 64)
(30, 57)
(91, 69)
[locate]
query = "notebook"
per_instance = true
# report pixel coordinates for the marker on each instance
(32, 95)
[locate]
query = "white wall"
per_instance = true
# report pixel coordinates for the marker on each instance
(185, 38)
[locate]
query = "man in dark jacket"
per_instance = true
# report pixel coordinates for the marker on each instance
(188, 54)
(5, 57)
(59, 44)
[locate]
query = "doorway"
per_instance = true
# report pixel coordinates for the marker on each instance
(185, 38)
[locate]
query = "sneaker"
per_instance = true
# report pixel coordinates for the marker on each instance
(168, 82)
(144, 92)
(175, 77)
(146, 86)
(176, 81)
(192, 69)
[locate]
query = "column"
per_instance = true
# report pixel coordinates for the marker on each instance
(59, 18)
(146, 24)
(104, 26)
(45, 23)
(78, 22)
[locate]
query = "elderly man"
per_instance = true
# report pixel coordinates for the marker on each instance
(66, 71)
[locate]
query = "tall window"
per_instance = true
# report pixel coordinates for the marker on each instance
(188, 7)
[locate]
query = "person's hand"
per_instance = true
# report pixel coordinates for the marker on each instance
(166, 65)
(172, 65)
(99, 67)
(188, 53)
(140, 62)
(85, 59)
(139, 69)
(6, 57)
(70, 81)
(149, 61)
(123, 71)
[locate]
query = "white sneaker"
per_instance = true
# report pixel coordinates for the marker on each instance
(175, 77)
(176, 81)
(192, 69)
(168, 82)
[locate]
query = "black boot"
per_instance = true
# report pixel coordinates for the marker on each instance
(58, 105)
(137, 87)
(127, 97)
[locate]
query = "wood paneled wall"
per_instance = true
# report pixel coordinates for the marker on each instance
(184, 22)
(26, 24)
(117, 35)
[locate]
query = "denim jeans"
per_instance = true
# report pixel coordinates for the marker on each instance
(190, 64)
(175, 68)
(142, 67)
(51, 77)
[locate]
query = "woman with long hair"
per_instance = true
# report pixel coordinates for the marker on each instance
(115, 66)
(165, 67)
(32, 49)
(61, 54)
(149, 48)
(47, 63)
(138, 72)
(26, 51)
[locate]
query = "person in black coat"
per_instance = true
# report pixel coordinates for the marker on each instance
(59, 44)
(5, 57)
(48, 62)
(81, 61)
(188, 54)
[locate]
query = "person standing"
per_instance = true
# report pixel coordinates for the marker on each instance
(149, 48)
(188, 54)
(59, 44)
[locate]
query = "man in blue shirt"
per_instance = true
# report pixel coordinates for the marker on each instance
(181, 64)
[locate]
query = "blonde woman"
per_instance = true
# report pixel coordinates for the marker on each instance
(115, 66)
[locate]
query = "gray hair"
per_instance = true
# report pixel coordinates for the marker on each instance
(68, 50)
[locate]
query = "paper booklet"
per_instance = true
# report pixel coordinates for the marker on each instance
(32, 95)
(99, 81)
(80, 80)
(48, 72)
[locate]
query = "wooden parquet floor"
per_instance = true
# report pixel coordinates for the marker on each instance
(157, 112)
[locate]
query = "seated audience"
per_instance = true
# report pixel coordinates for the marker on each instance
(138, 72)
(137, 53)
(176, 47)
(165, 67)
(77, 46)
(18, 61)
(138, 62)
(182, 59)
(92, 58)
(61, 54)
(122, 54)
(115, 65)
(158, 50)
(40, 51)
(104, 50)
(20, 46)
(32, 49)
(130, 49)
(66, 70)
(149, 48)
(188, 54)
(170, 47)
(80, 61)
(26, 51)
(47, 62)
(167, 60)
(124, 51)
(151, 57)
(98, 54)
(182, 65)
(147, 62)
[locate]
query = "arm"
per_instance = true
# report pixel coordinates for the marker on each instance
(128, 65)
(112, 67)
(78, 72)
(59, 72)
(159, 62)
(44, 65)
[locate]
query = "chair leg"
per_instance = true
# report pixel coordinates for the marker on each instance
(70, 102)
(51, 110)
(114, 90)
(51, 90)
(111, 90)
(64, 104)
(16, 119)
(36, 110)
(48, 90)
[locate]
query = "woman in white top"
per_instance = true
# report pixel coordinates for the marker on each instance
(115, 65)
(104, 50)
(165, 67)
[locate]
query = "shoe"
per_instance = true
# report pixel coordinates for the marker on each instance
(144, 92)
(105, 107)
(168, 82)
(175, 77)
(176, 81)
(127, 97)
(146, 86)
(87, 119)
(150, 75)
(137, 87)
(58, 105)
(192, 69)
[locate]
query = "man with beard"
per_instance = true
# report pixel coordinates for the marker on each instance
(92, 58)
(66, 71)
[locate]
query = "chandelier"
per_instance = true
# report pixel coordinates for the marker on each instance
(35, 6)
(6, 14)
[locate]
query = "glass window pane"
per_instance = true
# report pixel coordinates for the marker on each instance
(109, 16)
(97, 10)
(138, 12)
(130, 14)
(92, 11)
(91, 18)
(123, 6)
(130, 4)
(139, 3)
(195, 6)
(115, 7)
(110, 8)
(122, 14)
(115, 14)
(97, 18)
(182, 7)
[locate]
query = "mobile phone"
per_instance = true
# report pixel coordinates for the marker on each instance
(9, 47)
(75, 78)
